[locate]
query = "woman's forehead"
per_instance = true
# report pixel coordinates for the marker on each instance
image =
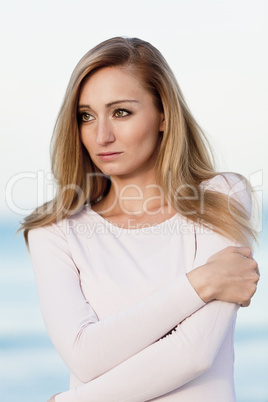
(109, 80)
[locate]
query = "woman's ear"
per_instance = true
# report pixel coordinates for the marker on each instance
(162, 122)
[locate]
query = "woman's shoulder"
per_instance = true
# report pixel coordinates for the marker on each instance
(233, 185)
(225, 181)
(60, 228)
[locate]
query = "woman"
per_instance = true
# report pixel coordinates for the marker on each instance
(143, 257)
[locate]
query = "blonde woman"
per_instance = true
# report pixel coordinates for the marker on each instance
(144, 255)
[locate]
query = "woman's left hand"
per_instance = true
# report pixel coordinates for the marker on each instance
(52, 399)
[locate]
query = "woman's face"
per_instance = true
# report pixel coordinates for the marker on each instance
(119, 123)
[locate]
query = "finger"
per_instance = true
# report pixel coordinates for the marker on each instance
(245, 251)
(258, 272)
(246, 304)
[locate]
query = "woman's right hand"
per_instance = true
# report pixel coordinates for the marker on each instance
(231, 275)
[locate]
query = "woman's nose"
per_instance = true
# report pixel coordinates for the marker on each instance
(104, 133)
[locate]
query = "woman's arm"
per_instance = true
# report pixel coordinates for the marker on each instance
(165, 365)
(178, 358)
(90, 347)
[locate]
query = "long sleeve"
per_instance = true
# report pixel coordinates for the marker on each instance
(165, 365)
(91, 347)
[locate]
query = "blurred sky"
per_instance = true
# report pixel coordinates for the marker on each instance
(217, 49)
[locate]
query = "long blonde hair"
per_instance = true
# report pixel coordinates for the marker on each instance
(184, 158)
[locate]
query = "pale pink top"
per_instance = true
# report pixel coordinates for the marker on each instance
(108, 294)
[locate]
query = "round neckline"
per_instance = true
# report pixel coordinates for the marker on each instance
(144, 228)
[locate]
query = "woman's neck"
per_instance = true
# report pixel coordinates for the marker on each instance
(132, 196)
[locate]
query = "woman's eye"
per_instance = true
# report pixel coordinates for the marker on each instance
(121, 113)
(85, 117)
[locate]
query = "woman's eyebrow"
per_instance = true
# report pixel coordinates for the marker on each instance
(121, 101)
(112, 103)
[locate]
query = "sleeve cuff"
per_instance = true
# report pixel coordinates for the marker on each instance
(187, 295)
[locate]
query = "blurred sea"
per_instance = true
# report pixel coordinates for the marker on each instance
(32, 371)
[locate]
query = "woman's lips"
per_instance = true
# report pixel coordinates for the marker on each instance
(108, 156)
